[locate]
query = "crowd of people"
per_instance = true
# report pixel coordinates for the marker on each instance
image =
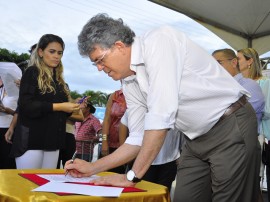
(170, 88)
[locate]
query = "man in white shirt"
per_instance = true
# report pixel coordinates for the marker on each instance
(163, 169)
(169, 81)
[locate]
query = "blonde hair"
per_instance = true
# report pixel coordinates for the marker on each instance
(255, 71)
(45, 74)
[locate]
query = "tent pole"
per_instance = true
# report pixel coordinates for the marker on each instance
(249, 42)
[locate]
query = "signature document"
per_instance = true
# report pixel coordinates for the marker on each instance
(68, 178)
(90, 190)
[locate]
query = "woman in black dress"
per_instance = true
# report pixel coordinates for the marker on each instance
(43, 107)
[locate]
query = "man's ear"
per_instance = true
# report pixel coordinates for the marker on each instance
(120, 45)
(234, 61)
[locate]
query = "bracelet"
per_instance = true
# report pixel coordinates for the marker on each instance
(104, 137)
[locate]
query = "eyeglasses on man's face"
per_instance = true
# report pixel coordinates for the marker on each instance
(221, 61)
(100, 60)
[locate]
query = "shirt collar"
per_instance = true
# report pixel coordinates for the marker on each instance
(238, 77)
(136, 52)
(90, 116)
(136, 57)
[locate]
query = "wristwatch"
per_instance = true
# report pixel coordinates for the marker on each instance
(131, 176)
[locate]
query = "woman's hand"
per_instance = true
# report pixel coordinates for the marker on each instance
(104, 148)
(67, 107)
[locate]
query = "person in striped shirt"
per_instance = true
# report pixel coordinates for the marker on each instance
(87, 131)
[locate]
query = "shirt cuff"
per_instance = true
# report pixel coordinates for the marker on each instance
(158, 121)
(134, 139)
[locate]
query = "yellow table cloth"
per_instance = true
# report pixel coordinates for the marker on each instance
(14, 188)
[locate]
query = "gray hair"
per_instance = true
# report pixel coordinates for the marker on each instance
(104, 31)
(229, 53)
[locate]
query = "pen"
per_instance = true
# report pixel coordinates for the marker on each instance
(72, 160)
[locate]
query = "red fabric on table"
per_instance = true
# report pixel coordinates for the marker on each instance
(33, 177)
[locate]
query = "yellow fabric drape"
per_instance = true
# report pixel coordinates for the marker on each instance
(14, 188)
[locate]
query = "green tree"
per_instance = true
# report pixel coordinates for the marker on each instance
(7, 56)
(98, 98)
(74, 94)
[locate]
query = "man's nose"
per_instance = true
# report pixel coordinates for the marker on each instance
(100, 67)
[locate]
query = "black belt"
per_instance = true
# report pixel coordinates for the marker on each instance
(233, 108)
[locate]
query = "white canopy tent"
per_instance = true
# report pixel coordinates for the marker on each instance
(241, 23)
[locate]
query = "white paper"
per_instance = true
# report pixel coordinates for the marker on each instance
(67, 178)
(9, 73)
(89, 190)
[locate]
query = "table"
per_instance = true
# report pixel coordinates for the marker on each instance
(14, 188)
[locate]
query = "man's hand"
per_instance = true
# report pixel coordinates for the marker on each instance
(6, 110)
(2, 108)
(119, 180)
(79, 168)
(8, 135)
(18, 82)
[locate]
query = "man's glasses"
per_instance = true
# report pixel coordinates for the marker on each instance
(100, 60)
(221, 61)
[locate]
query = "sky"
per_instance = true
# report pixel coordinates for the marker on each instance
(24, 22)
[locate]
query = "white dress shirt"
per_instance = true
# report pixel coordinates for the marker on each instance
(170, 149)
(177, 84)
(5, 119)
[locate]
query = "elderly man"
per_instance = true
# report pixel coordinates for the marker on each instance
(169, 81)
(228, 59)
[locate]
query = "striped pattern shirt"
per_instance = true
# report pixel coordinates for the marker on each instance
(86, 130)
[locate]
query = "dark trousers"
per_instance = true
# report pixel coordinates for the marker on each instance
(66, 153)
(163, 174)
(223, 164)
(6, 162)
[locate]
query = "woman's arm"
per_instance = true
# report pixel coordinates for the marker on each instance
(123, 133)
(67, 107)
(31, 105)
(106, 126)
(76, 116)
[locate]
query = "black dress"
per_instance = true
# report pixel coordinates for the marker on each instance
(46, 127)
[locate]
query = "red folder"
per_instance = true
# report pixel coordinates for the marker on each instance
(33, 177)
